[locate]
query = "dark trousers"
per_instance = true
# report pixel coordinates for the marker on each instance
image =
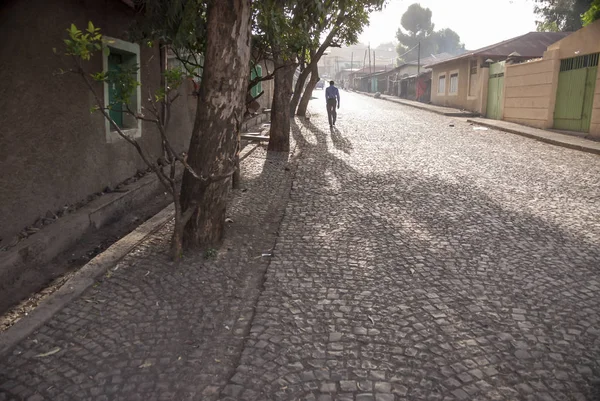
(331, 113)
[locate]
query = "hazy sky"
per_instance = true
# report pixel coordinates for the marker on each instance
(478, 22)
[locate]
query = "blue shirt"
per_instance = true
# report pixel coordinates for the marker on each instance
(332, 93)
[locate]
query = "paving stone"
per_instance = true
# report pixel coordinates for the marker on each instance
(348, 386)
(178, 321)
(383, 387)
(431, 261)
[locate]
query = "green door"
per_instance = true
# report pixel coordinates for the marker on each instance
(373, 85)
(575, 93)
(114, 91)
(495, 91)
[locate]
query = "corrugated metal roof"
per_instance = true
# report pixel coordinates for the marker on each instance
(530, 45)
(434, 58)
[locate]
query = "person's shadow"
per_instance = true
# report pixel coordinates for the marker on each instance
(339, 142)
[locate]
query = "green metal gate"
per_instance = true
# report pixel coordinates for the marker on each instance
(373, 84)
(575, 93)
(495, 91)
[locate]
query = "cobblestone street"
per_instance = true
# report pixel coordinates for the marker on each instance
(423, 261)
(416, 259)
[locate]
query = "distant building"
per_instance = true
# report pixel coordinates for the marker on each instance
(462, 81)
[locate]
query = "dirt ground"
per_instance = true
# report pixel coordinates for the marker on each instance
(33, 287)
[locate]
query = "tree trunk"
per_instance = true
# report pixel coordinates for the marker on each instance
(279, 137)
(314, 79)
(236, 180)
(298, 90)
(177, 239)
(219, 112)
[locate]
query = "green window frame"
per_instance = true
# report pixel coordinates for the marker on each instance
(256, 72)
(117, 52)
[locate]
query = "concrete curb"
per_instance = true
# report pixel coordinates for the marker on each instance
(82, 280)
(421, 107)
(538, 138)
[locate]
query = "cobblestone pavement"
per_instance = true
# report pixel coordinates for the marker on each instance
(421, 259)
(154, 331)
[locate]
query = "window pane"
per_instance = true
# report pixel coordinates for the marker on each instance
(442, 84)
(453, 83)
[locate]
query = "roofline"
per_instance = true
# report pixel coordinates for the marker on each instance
(481, 51)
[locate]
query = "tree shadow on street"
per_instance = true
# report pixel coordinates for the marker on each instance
(425, 245)
(325, 168)
(418, 246)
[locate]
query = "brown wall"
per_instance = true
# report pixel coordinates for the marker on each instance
(461, 99)
(52, 150)
(529, 92)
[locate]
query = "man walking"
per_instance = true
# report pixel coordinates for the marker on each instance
(332, 96)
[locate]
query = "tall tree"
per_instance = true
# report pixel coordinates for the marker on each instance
(219, 112)
(448, 41)
(562, 14)
(343, 22)
(211, 38)
(285, 26)
(417, 28)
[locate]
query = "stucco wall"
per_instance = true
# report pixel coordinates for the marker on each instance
(461, 100)
(529, 90)
(52, 150)
(409, 70)
(584, 41)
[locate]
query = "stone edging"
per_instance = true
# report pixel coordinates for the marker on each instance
(82, 280)
(538, 138)
(419, 106)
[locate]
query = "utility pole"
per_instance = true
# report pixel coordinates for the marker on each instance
(374, 62)
(418, 60)
(418, 69)
(351, 84)
(370, 70)
(364, 59)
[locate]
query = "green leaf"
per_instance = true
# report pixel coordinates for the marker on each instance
(90, 27)
(106, 51)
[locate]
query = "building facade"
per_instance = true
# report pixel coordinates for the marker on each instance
(562, 89)
(53, 150)
(462, 82)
